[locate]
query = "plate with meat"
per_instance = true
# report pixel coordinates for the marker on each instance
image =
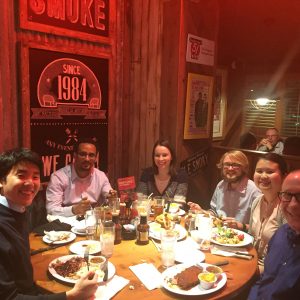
(183, 279)
(230, 237)
(70, 268)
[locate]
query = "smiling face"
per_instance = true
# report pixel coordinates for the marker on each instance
(267, 176)
(162, 158)
(291, 209)
(21, 184)
(232, 170)
(84, 159)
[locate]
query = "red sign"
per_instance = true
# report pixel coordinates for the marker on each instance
(126, 183)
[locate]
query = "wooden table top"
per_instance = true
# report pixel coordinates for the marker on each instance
(128, 253)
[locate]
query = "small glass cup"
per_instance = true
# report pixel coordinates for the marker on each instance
(158, 207)
(168, 244)
(107, 239)
(90, 225)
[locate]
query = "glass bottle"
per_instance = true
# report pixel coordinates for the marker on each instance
(143, 231)
(118, 228)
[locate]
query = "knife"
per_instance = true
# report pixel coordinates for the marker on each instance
(33, 252)
(105, 270)
(86, 257)
(221, 263)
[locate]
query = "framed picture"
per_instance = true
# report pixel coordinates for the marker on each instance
(198, 106)
(220, 104)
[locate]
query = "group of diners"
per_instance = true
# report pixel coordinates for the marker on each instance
(268, 208)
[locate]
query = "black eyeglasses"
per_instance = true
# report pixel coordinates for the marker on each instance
(232, 165)
(85, 154)
(287, 197)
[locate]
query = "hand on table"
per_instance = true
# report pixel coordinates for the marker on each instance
(85, 288)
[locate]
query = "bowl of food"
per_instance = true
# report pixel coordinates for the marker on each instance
(214, 269)
(207, 280)
(97, 262)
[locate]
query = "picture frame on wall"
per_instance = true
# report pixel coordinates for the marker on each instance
(220, 104)
(198, 108)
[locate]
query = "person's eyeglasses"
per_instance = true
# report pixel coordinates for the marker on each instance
(287, 197)
(85, 154)
(271, 135)
(232, 165)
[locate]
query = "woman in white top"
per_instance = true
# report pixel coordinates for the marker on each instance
(266, 215)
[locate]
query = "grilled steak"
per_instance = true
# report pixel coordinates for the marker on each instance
(188, 278)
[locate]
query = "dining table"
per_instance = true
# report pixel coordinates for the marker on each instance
(240, 272)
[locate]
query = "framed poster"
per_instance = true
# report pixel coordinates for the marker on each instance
(65, 96)
(198, 106)
(220, 104)
(87, 20)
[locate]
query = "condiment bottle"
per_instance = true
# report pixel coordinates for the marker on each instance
(118, 228)
(143, 231)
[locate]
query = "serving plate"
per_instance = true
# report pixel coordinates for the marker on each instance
(110, 267)
(195, 291)
(70, 238)
(154, 231)
(79, 247)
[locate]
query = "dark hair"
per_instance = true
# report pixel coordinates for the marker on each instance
(10, 158)
(248, 141)
(165, 143)
(278, 159)
(85, 141)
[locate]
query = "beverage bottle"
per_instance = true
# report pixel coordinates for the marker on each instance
(143, 231)
(118, 228)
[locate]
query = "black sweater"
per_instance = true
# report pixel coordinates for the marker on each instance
(16, 274)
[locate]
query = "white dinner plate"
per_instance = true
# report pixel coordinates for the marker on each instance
(79, 247)
(110, 266)
(74, 230)
(248, 239)
(180, 212)
(195, 291)
(156, 233)
(70, 238)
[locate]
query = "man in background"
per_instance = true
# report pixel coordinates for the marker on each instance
(271, 143)
(73, 189)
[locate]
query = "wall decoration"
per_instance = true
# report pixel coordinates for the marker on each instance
(87, 20)
(220, 104)
(65, 97)
(198, 106)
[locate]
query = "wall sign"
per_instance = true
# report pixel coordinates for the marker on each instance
(68, 100)
(84, 19)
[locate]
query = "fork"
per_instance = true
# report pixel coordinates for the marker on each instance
(86, 257)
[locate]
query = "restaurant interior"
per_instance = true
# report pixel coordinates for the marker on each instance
(136, 54)
(257, 47)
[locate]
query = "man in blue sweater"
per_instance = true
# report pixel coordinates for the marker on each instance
(19, 183)
(281, 277)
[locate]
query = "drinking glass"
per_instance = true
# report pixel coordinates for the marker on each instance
(204, 224)
(168, 244)
(159, 203)
(107, 239)
(90, 224)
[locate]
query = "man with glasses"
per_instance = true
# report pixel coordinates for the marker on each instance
(72, 190)
(233, 196)
(281, 277)
(271, 143)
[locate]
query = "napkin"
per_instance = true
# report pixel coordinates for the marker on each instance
(232, 251)
(55, 225)
(148, 275)
(108, 290)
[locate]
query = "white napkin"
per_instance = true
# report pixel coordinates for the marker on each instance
(226, 251)
(57, 235)
(148, 275)
(108, 290)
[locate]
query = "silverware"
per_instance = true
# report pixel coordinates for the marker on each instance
(245, 254)
(221, 263)
(86, 257)
(33, 252)
(158, 247)
(105, 270)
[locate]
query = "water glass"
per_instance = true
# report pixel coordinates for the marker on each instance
(204, 225)
(107, 239)
(168, 244)
(90, 224)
